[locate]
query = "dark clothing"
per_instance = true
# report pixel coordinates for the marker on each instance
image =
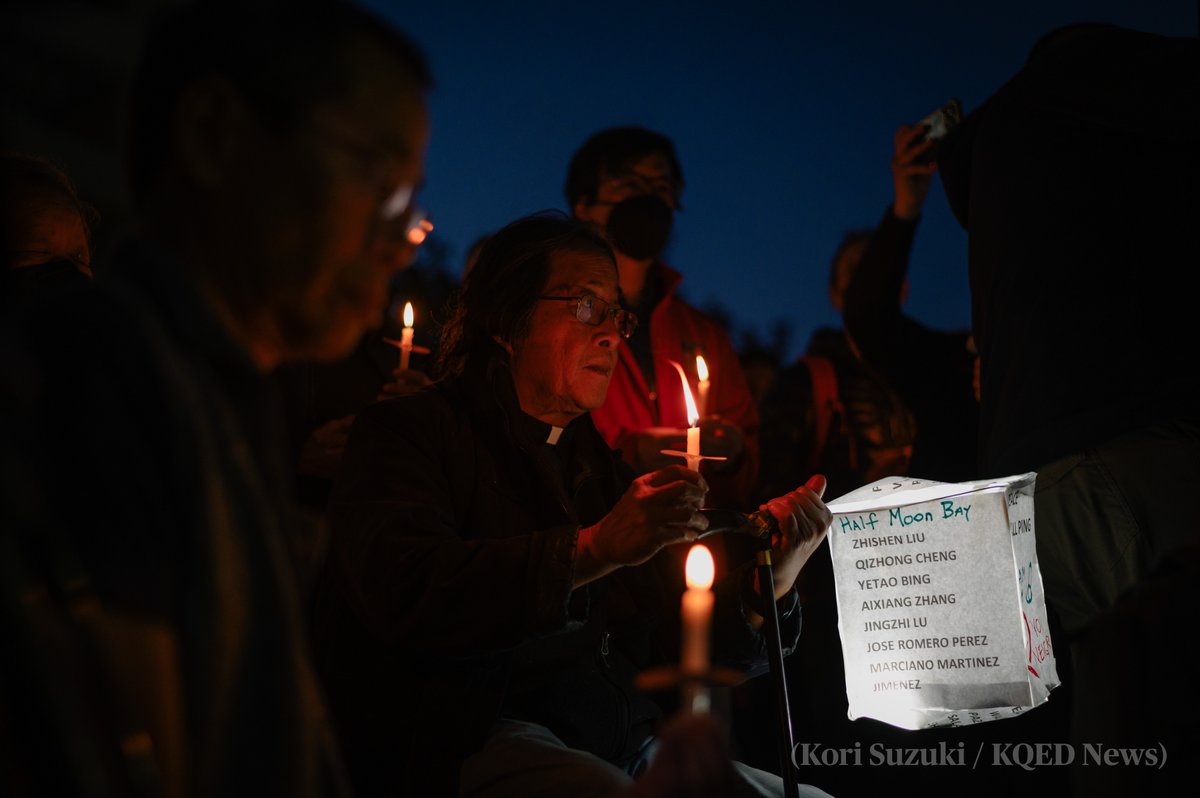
(867, 435)
(1077, 183)
(671, 335)
(865, 432)
(1084, 337)
(931, 370)
(448, 599)
(150, 456)
(317, 393)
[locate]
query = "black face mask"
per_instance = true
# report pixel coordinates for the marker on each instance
(640, 226)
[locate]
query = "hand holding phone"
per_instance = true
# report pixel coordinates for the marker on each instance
(915, 156)
(943, 120)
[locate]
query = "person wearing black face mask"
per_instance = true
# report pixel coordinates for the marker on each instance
(627, 181)
(46, 230)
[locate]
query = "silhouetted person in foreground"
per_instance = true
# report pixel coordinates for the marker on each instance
(275, 150)
(1076, 182)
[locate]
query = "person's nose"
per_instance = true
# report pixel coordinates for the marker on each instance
(607, 334)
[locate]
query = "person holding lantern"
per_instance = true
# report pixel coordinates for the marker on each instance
(497, 575)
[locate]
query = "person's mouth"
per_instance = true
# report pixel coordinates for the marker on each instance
(604, 369)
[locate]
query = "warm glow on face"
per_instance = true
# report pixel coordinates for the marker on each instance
(701, 367)
(699, 569)
(408, 314)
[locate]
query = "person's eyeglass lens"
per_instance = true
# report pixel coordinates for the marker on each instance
(592, 311)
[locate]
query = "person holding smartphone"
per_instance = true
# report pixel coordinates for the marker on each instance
(931, 370)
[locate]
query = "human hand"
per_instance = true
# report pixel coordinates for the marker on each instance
(693, 761)
(322, 450)
(803, 521)
(404, 381)
(912, 170)
(658, 509)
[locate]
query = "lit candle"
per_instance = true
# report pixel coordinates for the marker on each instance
(692, 455)
(693, 433)
(697, 611)
(406, 337)
(702, 386)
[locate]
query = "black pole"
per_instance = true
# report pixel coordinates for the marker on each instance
(770, 613)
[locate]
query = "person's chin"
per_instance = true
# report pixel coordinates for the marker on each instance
(593, 398)
(336, 339)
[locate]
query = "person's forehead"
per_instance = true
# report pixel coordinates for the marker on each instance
(48, 226)
(577, 271)
(654, 165)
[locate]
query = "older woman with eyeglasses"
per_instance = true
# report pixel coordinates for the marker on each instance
(497, 577)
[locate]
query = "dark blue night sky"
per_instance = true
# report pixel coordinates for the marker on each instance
(783, 114)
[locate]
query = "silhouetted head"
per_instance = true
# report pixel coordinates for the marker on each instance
(845, 260)
(627, 181)
(276, 148)
(47, 229)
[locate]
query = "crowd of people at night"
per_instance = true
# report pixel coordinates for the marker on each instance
(249, 546)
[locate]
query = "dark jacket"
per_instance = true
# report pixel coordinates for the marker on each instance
(448, 599)
(931, 370)
(1077, 183)
(646, 391)
(144, 481)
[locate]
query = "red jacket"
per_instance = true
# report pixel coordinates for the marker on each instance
(678, 332)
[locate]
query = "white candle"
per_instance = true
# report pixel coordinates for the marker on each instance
(406, 336)
(702, 385)
(693, 433)
(693, 448)
(696, 611)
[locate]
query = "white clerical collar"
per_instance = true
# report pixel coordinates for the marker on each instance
(555, 434)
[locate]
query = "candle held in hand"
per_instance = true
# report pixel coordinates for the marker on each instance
(692, 455)
(702, 386)
(697, 611)
(693, 433)
(406, 336)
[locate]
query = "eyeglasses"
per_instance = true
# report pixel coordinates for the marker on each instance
(592, 311)
(378, 166)
(664, 185)
(418, 227)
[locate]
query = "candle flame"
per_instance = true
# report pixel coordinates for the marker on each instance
(700, 568)
(701, 367)
(693, 415)
(408, 314)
